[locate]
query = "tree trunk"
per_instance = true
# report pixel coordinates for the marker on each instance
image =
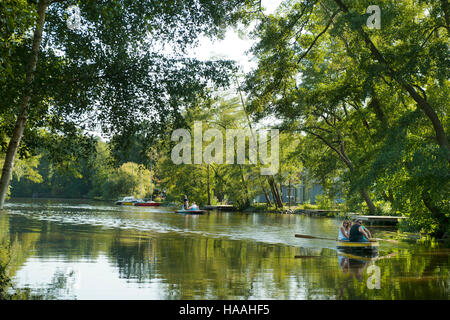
(274, 195)
(368, 201)
(246, 202)
(442, 220)
(209, 190)
(280, 192)
(275, 192)
(423, 104)
(21, 121)
(378, 110)
(266, 195)
(279, 196)
(303, 193)
(445, 8)
(289, 194)
(343, 156)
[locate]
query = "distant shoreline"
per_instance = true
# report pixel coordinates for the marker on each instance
(57, 198)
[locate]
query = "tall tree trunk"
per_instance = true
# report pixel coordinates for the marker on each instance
(22, 116)
(280, 192)
(209, 190)
(440, 217)
(445, 8)
(375, 105)
(275, 192)
(246, 202)
(368, 201)
(363, 192)
(279, 195)
(343, 156)
(289, 194)
(303, 193)
(274, 195)
(266, 195)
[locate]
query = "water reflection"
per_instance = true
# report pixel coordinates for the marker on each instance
(89, 251)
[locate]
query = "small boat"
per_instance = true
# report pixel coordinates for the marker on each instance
(363, 247)
(191, 211)
(127, 201)
(148, 204)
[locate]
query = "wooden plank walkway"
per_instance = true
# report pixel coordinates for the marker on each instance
(376, 219)
(224, 207)
(317, 212)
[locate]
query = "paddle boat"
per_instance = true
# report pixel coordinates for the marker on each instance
(191, 211)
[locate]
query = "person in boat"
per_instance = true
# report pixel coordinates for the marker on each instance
(358, 233)
(194, 206)
(344, 230)
(185, 203)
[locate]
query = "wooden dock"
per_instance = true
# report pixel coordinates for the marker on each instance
(317, 212)
(378, 219)
(220, 207)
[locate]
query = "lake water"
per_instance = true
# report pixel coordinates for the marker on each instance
(67, 249)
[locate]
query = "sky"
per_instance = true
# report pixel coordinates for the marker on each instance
(233, 47)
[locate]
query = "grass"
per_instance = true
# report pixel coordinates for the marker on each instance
(263, 207)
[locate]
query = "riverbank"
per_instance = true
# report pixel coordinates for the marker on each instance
(304, 209)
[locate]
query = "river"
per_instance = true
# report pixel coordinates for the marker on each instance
(80, 249)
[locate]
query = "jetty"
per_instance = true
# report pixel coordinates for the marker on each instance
(220, 207)
(378, 219)
(318, 212)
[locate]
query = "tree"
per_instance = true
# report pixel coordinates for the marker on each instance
(103, 75)
(16, 17)
(355, 91)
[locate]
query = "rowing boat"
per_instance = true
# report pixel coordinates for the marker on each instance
(191, 211)
(358, 247)
(347, 246)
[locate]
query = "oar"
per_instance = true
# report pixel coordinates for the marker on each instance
(312, 237)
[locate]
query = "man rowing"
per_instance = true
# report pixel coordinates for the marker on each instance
(358, 233)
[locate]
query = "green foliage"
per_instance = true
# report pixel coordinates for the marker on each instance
(352, 91)
(113, 74)
(16, 17)
(361, 108)
(94, 176)
(325, 202)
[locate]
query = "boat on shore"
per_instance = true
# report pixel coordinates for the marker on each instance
(147, 204)
(127, 201)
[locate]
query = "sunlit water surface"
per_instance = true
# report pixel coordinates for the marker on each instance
(71, 249)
